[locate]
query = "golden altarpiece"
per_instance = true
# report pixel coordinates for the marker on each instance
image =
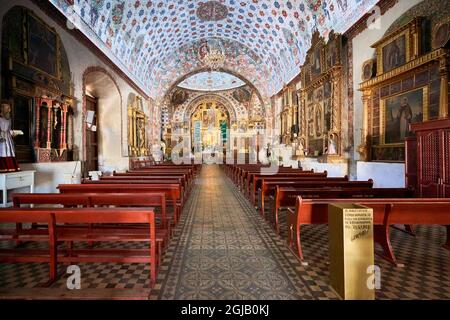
(319, 111)
(36, 78)
(137, 129)
(407, 83)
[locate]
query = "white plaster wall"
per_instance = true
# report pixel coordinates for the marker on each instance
(110, 152)
(384, 175)
(114, 149)
(333, 169)
(49, 175)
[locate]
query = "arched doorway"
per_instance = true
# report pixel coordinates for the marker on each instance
(209, 123)
(101, 126)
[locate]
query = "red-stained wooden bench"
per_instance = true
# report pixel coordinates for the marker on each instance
(18, 235)
(285, 197)
(173, 192)
(60, 221)
(386, 212)
(184, 181)
(257, 179)
(268, 188)
(163, 231)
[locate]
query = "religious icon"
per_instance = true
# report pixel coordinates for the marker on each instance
(400, 111)
(318, 122)
(394, 54)
(7, 153)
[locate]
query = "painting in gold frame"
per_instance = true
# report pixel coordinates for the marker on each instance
(43, 47)
(393, 52)
(398, 111)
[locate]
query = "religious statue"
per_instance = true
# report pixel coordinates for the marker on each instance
(8, 161)
(156, 151)
(332, 144)
(300, 148)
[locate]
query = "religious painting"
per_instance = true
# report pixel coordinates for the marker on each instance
(179, 96)
(42, 47)
(441, 35)
(332, 51)
(316, 63)
(399, 111)
(367, 70)
(394, 53)
(242, 95)
(318, 121)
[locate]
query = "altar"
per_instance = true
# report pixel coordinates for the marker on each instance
(15, 180)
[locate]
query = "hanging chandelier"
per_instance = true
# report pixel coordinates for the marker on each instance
(215, 57)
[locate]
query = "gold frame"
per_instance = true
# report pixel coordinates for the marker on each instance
(425, 103)
(435, 29)
(367, 62)
(136, 114)
(380, 46)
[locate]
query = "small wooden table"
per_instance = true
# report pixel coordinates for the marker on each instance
(15, 180)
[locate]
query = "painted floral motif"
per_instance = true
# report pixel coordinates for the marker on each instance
(270, 38)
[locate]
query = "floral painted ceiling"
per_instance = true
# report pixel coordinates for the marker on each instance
(157, 42)
(211, 81)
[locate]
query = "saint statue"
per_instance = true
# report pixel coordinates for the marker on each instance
(156, 151)
(332, 145)
(8, 161)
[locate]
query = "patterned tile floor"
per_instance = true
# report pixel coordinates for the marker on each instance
(222, 249)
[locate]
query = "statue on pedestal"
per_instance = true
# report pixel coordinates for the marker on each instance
(8, 161)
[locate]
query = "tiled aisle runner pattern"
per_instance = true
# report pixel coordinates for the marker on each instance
(227, 252)
(222, 249)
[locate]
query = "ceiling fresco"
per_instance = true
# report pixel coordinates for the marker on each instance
(155, 41)
(211, 81)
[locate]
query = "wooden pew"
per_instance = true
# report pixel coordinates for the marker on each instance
(285, 197)
(244, 174)
(54, 217)
(163, 172)
(386, 212)
(163, 232)
(258, 178)
(17, 235)
(173, 192)
(268, 187)
(184, 181)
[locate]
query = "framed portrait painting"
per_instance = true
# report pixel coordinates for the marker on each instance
(43, 47)
(398, 112)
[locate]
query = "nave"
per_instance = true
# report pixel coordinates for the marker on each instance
(223, 249)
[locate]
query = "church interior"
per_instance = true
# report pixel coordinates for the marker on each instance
(225, 150)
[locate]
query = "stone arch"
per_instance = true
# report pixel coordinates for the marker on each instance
(104, 87)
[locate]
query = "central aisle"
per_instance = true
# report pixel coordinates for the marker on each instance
(224, 250)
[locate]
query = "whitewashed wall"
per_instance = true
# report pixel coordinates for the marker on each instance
(384, 175)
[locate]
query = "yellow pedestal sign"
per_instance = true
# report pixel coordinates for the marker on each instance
(351, 250)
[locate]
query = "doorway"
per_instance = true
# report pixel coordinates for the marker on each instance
(91, 135)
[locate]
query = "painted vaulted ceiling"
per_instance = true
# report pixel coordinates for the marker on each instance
(211, 81)
(157, 42)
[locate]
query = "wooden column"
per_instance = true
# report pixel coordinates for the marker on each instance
(443, 99)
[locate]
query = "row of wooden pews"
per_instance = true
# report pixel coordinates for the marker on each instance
(303, 197)
(76, 224)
